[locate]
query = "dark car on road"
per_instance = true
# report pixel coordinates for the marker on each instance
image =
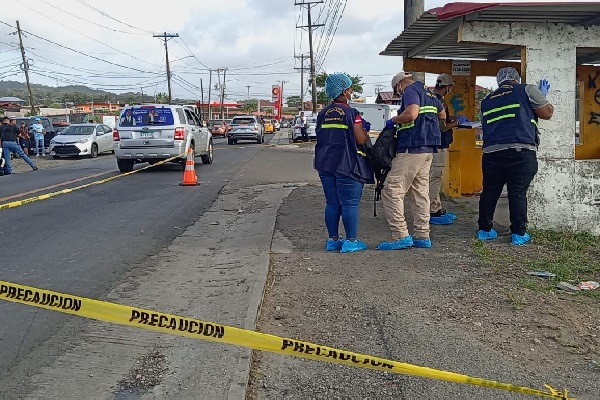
(48, 126)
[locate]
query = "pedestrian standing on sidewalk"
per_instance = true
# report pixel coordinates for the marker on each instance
(438, 216)
(510, 140)
(24, 138)
(418, 134)
(340, 160)
(38, 136)
(9, 135)
(303, 127)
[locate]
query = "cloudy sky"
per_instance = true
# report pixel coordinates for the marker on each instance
(110, 45)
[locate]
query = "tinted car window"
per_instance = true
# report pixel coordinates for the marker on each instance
(99, 130)
(181, 116)
(146, 116)
(243, 121)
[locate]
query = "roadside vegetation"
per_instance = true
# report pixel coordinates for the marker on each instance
(573, 257)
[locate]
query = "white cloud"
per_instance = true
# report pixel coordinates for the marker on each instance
(255, 39)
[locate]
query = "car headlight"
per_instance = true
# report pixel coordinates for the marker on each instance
(83, 141)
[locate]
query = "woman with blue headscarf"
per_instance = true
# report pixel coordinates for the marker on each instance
(340, 160)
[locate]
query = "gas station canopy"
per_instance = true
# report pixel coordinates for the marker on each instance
(435, 33)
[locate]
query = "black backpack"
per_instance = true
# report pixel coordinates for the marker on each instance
(381, 154)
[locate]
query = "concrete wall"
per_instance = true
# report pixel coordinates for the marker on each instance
(566, 193)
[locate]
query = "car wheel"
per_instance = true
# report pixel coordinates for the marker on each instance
(94, 151)
(229, 141)
(208, 157)
(56, 157)
(125, 165)
(259, 140)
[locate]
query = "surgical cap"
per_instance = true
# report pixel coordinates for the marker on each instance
(336, 83)
(507, 74)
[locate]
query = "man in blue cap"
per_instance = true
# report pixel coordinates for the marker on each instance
(340, 160)
(510, 140)
(38, 137)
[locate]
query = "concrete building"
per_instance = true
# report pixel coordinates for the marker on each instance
(555, 41)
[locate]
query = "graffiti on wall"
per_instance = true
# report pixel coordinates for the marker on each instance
(457, 102)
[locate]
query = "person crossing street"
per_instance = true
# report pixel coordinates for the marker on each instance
(9, 136)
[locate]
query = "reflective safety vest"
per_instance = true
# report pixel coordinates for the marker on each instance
(425, 130)
(336, 149)
(507, 117)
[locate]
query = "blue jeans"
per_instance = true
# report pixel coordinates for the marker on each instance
(342, 196)
(13, 147)
(39, 144)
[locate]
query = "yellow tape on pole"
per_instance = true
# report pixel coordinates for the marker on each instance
(46, 196)
(197, 329)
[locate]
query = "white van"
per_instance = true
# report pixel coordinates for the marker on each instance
(376, 114)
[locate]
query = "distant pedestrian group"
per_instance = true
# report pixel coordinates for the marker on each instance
(10, 136)
(424, 132)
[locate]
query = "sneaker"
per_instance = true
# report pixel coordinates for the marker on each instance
(439, 213)
(422, 243)
(399, 244)
(352, 246)
(519, 240)
(452, 215)
(487, 235)
(35, 168)
(334, 245)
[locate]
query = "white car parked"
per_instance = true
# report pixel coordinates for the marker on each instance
(82, 140)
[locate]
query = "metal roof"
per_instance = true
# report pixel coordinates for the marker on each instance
(435, 33)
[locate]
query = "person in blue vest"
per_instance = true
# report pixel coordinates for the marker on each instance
(419, 137)
(340, 160)
(510, 140)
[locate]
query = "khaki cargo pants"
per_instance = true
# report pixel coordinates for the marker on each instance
(435, 179)
(409, 175)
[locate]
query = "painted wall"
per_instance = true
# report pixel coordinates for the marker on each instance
(562, 196)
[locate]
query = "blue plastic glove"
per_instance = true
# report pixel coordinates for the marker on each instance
(366, 124)
(544, 86)
(389, 123)
(462, 119)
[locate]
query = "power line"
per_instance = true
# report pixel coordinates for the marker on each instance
(114, 19)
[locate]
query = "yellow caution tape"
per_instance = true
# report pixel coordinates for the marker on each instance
(197, 329)
(46, 196)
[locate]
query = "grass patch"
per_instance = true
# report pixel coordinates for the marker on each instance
(573, 257)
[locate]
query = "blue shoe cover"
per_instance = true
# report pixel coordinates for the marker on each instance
(483, 235)
(451, 215)
(422, 243)
(399, 244)
(334, 245)
(519, 240)
(350, 246)
(445, 219)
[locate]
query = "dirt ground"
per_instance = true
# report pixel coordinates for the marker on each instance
(45, 162)
(463, 306)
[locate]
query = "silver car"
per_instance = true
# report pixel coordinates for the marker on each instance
(246, 127)
(82, 140)
(154, 132)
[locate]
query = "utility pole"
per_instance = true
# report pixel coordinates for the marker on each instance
(25, 68)
(222, 91)
(142, 96)
(313, 75)
(413, 9)
(166, 36)
(301, 57)
(201, 100)
(248, 86)
(209, 88)
(378, 88)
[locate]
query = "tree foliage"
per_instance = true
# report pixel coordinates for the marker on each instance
(250, 106)
(293, 101)
(322, 98)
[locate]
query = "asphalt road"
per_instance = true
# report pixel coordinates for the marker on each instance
(87, 241)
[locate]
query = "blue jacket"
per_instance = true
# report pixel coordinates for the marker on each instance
(507, 117)
(336, 149)
(425, 130)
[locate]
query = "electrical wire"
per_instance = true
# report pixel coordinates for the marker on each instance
(110, 17)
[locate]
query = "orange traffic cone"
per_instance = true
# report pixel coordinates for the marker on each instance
(189, 174)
